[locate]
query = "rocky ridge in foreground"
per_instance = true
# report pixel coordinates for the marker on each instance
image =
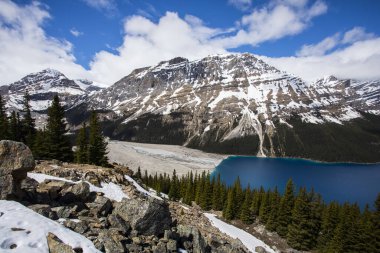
(110, 209)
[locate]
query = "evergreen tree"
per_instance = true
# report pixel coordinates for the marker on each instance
(28, 125)
(330, 219)
(264, 210)
(246, 215)
(97, 146)
(81, 152)
(217, 198)
(189, 193)
(40, 149)
(138, 173)
(274, 207)
(228, 212)
(174, 191)
(376, 223)
(59, 146)
(206, 194)
(4, 133)
(14, 129)
(285, 210)
(300, 231)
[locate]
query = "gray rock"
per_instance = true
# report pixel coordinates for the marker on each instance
(260, 249)
(48, 190)
(80, 227)
(171, 246)
(44, 210)
(63, 211)
(159, 248)
(189, 233)
(57, 246)
(101, 206)
(16, 160)
(147, 216)
(110, 241)
(116, 222)
(76, 192)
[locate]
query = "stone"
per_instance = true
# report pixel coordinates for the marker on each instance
(116, 222)
(111, 241)
(44, 210)
(260, 249)
(63, 211)
(92, 178)
(148, 216)
(48, 190)
(80, 227)
(100, 206)
(16, 160)
(57, 246)
(76, 192)
(133, 248)
(159, 248)
(189, 233)
(171, 246)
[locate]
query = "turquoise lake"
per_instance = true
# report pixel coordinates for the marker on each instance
(334, 181)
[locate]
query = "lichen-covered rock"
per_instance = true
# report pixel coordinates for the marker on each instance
(57, 246)
(147, 216)
(189, 233)
(110, 241)
(44, 210)
(76, 192)
(16, 160)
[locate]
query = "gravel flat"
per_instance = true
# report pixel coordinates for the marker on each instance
(161, 158)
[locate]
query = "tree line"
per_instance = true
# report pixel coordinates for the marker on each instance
(302, 217)
(53, 140)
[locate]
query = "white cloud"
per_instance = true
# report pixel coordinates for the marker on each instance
(359, 60)
(24, 46)
(241, 4)
(107, 5)
(75, 32)
(278, 19)
(356, 34)
(146, 43)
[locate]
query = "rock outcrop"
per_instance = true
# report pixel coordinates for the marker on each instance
(147, 216)
(16, 160)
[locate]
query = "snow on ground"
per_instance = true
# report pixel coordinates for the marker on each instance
(247, 239)
(110, 190)
(141, 189)
(161, 158)
(28, 230)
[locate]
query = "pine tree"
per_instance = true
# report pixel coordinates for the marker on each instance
(14, 127)
(217, 198)
(205, 197)
(40, 149)
(264, 210)
(246, 215)
(59, 146)
(300, 231)
(275, 199)
(28, 125)
(330, 219)
(4, 133)
(81, 152)
(189, 193)
(97, 146)
(228, 212)
(174, 191)
(285, 210)
(138, 173)
(376, 223)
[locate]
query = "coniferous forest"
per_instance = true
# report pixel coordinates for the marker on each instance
(300, 216)
(53, 140)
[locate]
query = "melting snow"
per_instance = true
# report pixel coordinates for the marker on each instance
(247, 239)
(28, 230)
(110, 190)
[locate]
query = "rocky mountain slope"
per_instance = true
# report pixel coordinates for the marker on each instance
(42, 86)
(236, 103)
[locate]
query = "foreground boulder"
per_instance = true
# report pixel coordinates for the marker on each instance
(147, 216)
(16, 160)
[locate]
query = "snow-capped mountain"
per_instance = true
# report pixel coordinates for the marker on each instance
(228, 100)
(42, 86)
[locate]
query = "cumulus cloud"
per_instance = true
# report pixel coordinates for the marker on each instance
(359, 60)
(278, 19)
(24, 46)
(241, 4)
(75, 32)
(146, 43)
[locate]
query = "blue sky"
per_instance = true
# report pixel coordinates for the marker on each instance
(104, 40)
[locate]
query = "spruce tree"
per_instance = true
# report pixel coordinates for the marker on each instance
(300, 231)
(285, 210)
(275, 199)
(97, 146)
(14, 127)
(27, 122)
(228, 212)
(174, 191)
(205, 197)
(264, 210)
(4, 133)
(376, 223)
(189, 193)
(58, 142)
(246, 215)
(217, 201)
(40, 149)
(330, 219)
(81, 152)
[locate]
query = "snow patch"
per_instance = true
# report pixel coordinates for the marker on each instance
(35, 228)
